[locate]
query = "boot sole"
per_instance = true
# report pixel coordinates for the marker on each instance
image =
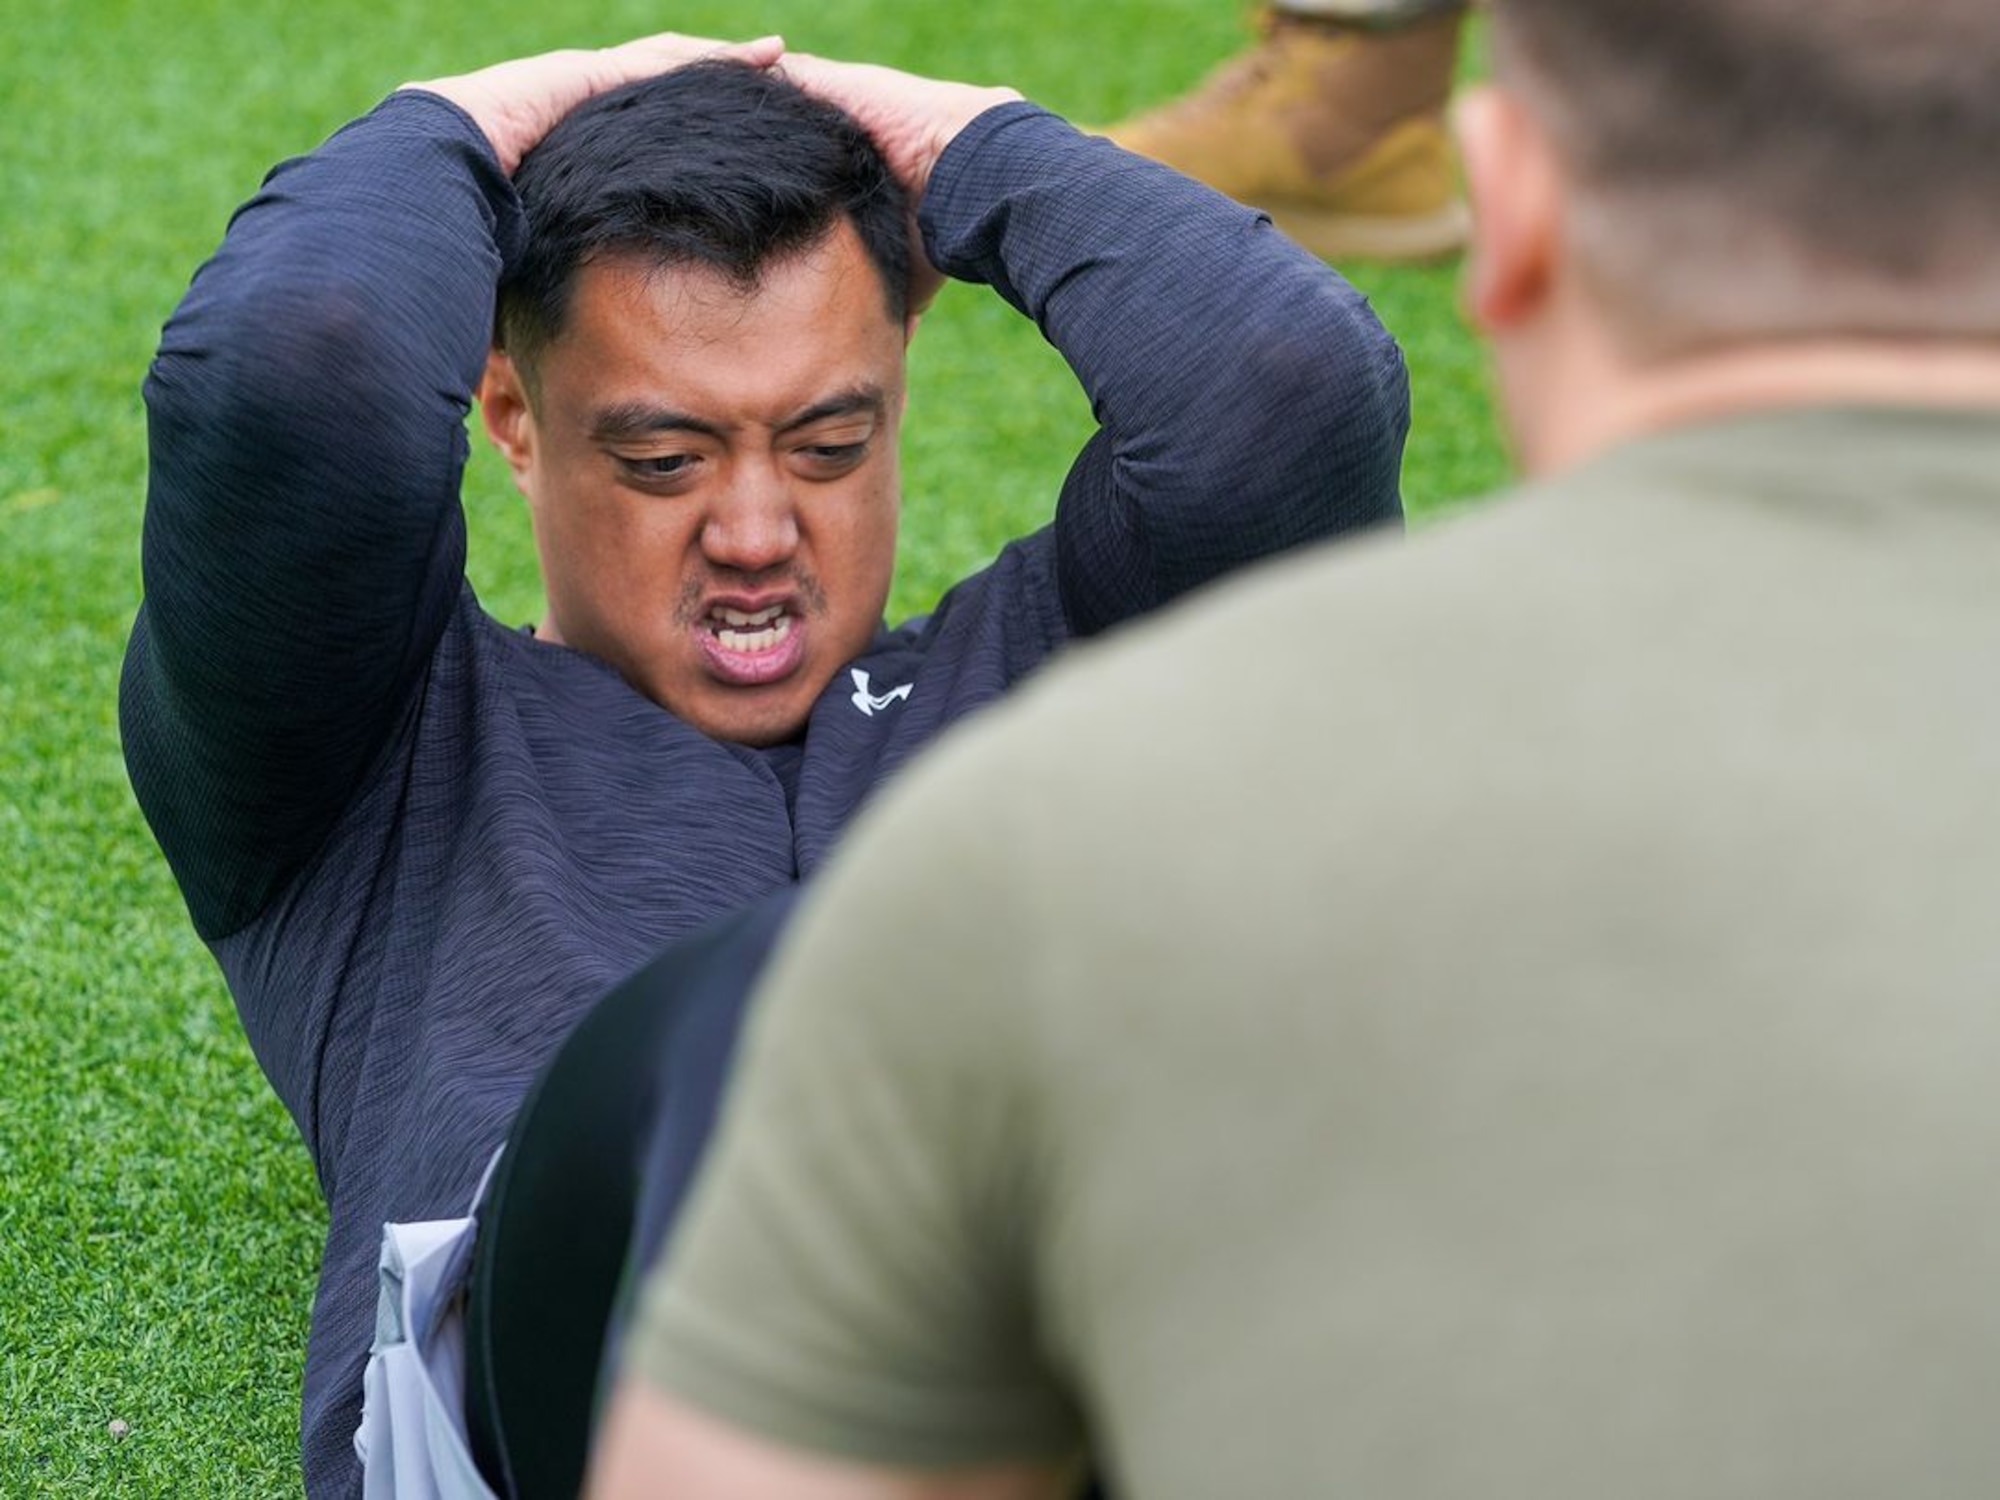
(1409, 237)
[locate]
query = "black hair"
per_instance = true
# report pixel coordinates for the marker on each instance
(717, 165)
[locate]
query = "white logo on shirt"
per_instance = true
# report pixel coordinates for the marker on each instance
(869, 702)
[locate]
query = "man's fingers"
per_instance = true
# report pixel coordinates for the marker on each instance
(911, 118)
(649, 55)
(760, 53)
(516, 103)
(667, 51)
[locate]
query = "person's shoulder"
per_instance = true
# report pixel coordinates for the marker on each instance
(1249, 651)
(1354, 656)
(1356, 629)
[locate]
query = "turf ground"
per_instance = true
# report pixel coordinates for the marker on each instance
(159, 1224)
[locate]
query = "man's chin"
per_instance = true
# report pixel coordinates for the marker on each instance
(751, 716)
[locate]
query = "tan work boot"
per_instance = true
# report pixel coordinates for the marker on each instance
(1336, 132)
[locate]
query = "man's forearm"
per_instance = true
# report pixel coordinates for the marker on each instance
(1249, 398)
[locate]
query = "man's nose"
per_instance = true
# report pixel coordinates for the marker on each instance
(752, 525)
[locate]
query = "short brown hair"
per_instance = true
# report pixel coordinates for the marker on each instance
(1773, 168)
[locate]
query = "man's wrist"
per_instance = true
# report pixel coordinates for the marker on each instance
(489, 122)
(420, 96)
(979, 103)
(941, 206)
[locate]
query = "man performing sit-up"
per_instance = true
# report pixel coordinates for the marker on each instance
(420, 842)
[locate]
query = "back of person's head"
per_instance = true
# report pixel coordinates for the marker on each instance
(716, 166)
(1745, 170)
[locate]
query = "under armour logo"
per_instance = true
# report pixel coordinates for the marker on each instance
(869, 702)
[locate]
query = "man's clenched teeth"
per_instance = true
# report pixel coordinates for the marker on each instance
(738, 631)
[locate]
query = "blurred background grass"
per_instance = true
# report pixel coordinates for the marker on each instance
(159, 1226)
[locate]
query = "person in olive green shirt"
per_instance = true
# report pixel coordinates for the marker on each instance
(1514, 1013)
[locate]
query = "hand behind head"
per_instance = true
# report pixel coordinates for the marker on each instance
(517, 103)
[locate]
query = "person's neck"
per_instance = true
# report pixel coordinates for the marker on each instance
(1637, 401)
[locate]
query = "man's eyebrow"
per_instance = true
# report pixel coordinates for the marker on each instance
(862, 398)
(636, 419)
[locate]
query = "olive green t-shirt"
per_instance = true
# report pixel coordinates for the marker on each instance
(1514, 1013)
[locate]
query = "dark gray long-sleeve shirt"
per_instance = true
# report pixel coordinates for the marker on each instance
(419, 842)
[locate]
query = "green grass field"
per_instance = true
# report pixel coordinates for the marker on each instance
(159, 1225)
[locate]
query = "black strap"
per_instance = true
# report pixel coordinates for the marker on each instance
(606, 1144)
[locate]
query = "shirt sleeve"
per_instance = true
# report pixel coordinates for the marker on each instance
(1248, 399)
(303, 543)
(854, 1273)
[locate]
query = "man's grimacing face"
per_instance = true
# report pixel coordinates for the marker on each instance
(712, 476)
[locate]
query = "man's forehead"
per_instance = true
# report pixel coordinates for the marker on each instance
(835, 271)
(642, 342)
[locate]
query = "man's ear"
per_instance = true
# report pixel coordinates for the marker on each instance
(509, 419)
(1515, 182)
